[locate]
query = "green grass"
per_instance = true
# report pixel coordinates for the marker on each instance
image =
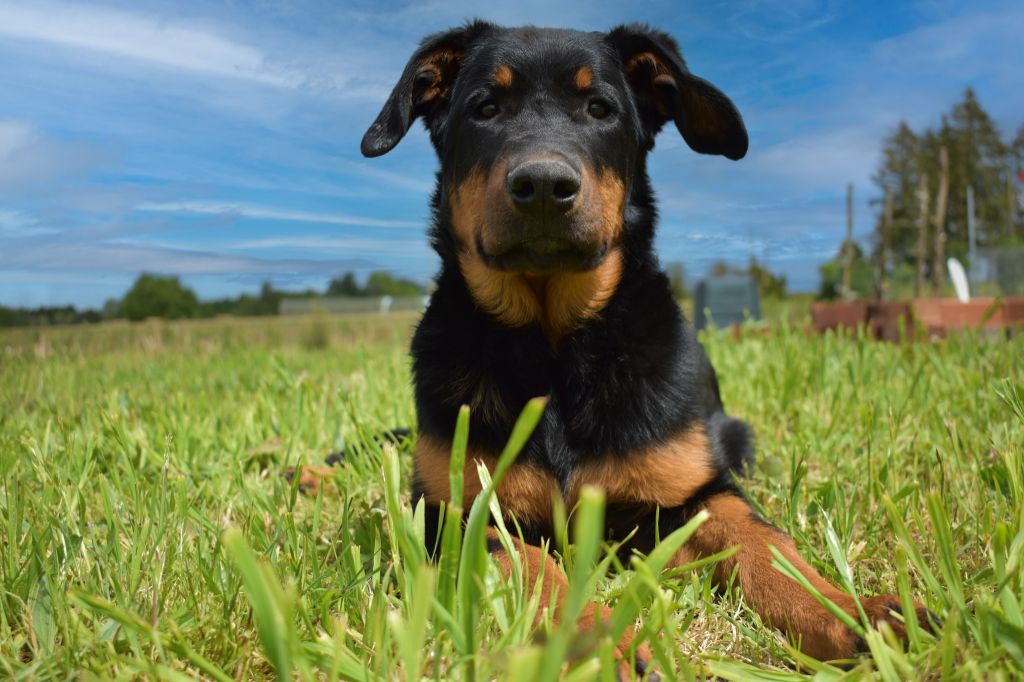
(146, 530)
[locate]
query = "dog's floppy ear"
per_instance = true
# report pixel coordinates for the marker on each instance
(665, 89)
(424, 87)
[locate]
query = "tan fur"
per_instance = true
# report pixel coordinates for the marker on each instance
(584, 78)
(526, 492)
(442, 66)
(645, 70)
(644, 61)
(666, 475)
(570, 298)
(780, 601)
(314, 479)
(503, 77)
(559, 302)
(553, 588)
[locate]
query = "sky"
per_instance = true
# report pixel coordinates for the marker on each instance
(219, 140)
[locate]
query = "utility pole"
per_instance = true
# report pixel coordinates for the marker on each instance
(922, 233)
(939, 223)
(848, 244)
(886, 236)
(1011, 207)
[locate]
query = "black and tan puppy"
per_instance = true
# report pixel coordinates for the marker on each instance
(544, 221)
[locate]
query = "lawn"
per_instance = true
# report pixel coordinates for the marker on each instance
(147, 530)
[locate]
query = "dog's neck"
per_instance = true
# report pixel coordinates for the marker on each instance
(558, 302)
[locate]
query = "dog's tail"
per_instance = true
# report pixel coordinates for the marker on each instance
(732, 442)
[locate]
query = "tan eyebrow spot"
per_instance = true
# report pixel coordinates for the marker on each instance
(503, 77)
(584, 78)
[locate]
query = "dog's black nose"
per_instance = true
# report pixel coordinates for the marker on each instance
(543, 184)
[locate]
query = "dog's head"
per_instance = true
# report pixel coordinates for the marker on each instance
(541, 135)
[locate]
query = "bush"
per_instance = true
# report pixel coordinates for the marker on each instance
(153, 296)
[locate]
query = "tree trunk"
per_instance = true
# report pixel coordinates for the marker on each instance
(1011, 200)
(848, 244)
(922, 233)
(939, 224)
(881, 285)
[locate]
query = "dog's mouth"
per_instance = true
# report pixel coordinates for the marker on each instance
(542, 255)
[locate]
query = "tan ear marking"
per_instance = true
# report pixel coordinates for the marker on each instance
(584, 78)
(440, 68)
(503, 77)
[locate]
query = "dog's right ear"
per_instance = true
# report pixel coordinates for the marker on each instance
(424, 87)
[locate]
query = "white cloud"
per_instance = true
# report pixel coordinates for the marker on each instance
(263, 213)
(823, 161)
(124, 257)
(29, 159)
(18, 225)
(14, 135)
(319, 242)
(141, 37)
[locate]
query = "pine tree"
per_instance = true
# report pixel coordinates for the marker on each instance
(899, 170)
(977, 156)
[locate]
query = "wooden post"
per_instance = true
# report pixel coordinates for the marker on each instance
(885, 247)
(972, 237)
(939, 224)
(1011, 200)
(848, 244)
(921, 251)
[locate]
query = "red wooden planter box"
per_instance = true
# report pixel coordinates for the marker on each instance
(839, 315)
(936, 315)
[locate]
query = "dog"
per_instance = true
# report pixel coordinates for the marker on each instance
(544, 219)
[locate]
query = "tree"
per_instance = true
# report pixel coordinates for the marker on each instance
(899, 170)
(861, 275)
(345, 285)
(381, 283)
(677, 280)
(153, 296)
(770, 285)
(978, 157)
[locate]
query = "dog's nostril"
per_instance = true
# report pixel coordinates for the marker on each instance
(522, 189)
(565, 190)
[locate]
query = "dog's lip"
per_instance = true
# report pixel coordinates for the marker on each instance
(540, 255)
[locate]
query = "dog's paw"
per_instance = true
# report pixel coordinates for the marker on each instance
(835, 641)
(886, 608)
(643, 665)
(312, 479)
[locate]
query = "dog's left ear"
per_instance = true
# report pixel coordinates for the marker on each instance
(665, 89)
(424, 87)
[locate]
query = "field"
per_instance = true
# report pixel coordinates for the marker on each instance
(147, 531)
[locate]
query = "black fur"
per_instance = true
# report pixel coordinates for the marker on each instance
(635, 375)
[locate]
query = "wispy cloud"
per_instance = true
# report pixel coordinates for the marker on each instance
(231, 130)
(29, 159)
(18, 225)
(334, 243)
(267, 213)
(144, 37)
(123, 257)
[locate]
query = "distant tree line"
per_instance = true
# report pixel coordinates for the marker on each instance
(911, 172)
(378, 284)
(166, 297)
(769, 284)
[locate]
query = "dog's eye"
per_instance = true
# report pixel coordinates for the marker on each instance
(598, 108)
(487, 110)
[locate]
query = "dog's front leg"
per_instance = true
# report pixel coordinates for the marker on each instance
(780, 601)
(552, 588)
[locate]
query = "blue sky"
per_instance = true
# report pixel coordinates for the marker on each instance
(219, 140)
